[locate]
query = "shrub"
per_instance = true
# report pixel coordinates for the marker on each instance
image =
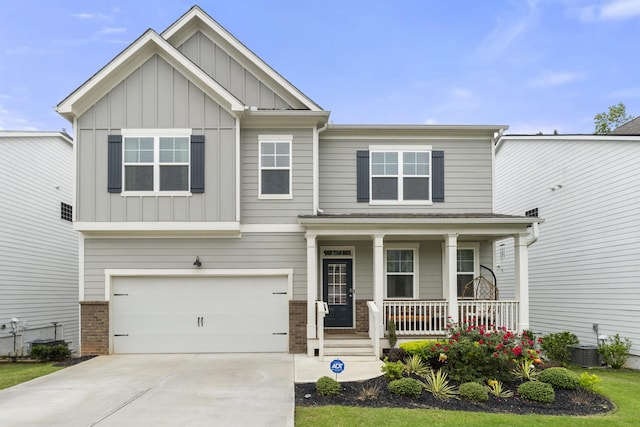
(395, 354)
(525, 370)
(474, 392)
(559, 378)
(437, 384)
(392, 370)
(497, 389)
(391, 332)
(589, 381)
(326, 386)
(416, 366)
(555, 345)
(44, 352)
(537, 391)
(369, 393)
(616, 352)
(408, 387)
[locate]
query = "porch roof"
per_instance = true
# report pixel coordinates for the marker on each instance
(487, 225)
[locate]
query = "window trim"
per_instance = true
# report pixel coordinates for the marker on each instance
(415, 247)
(272, 139)
(156, 134)
(476, 260)
(400, 150)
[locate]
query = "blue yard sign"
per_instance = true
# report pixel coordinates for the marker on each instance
(336, 366)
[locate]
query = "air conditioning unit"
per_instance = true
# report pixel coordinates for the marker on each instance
(584, 355)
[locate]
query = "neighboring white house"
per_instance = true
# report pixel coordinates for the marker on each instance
(38, 246)
(585, 268)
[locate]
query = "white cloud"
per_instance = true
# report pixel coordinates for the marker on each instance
(431, 121)
(112, 30)
(551, 79)
(12, 121)
(610, 10)
(89, 16)
(461, 93)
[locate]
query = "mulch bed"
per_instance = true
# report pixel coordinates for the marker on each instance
(567, 402)
(73, 361)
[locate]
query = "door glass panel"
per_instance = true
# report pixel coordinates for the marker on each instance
(337, 284)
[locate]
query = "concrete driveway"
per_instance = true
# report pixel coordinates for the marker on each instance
(158, 390)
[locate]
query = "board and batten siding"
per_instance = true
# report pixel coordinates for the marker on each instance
(584, 269)
(38, 249)
(276, 211)
(252, 251)
(223, 68)
(156, 96)
(467, 176)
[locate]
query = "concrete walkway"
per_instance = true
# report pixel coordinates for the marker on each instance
(183, 390)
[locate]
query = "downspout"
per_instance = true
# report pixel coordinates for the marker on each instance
(316, 167)
(535, 233)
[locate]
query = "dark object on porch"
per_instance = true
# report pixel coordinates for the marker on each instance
(584, 355)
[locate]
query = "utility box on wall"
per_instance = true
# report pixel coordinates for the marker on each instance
(584, 355)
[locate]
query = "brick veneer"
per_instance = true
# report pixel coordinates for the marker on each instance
(94, 321)
(297, 326)
(362, 316)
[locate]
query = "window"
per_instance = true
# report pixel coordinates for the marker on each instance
(401, 272)
(466, 269)
(275, 166)
(156, 160)
(400, 175)
(66, 211)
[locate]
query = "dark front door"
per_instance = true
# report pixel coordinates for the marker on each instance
(337, 291)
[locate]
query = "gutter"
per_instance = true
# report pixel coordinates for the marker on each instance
(316, 167)
(535, 233)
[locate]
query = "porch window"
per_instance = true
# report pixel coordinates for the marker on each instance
(400, 176)
(466, 268)
(401, 273)
(275, 166)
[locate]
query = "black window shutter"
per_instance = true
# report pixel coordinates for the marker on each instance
(437, 158)
(362, 170)
(197, 163)
(114, 164)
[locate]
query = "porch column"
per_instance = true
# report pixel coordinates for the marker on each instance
(450, 276)
(312, 283)
(522, 280)
(378, 277)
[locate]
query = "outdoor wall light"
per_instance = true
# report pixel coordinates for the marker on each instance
(197, 262)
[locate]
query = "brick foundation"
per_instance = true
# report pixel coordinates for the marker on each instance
(297, 326)
(362, 316)
(94, 327)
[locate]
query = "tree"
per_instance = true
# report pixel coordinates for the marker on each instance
(606, 122)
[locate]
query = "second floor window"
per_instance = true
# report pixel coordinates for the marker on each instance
(275, 166)
(400, 176)
(156, 163)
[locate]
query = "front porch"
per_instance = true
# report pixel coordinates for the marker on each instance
(412, 272)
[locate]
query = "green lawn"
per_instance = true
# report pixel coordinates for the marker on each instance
(16, 373)
(622, 387)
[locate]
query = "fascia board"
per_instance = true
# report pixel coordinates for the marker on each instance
(133, 56)
(36, 134)
(178, 32)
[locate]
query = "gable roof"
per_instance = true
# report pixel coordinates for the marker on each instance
(195, 19)
(148, 44)
(630, 128)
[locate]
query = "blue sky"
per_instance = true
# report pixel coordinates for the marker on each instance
(535, 65)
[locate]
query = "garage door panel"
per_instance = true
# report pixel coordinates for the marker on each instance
(203, 314)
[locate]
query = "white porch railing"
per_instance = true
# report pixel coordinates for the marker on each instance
(413, 317)
(321, 311)
(489, 312)
(374, 328)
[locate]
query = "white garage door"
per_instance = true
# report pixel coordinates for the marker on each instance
(200, 314)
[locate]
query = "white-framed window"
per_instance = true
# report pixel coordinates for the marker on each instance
(467, 266)
(275, 166)
(156, 160)
(401, 271)
(400, 175)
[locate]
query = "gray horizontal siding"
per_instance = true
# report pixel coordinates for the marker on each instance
(38, 250)
(223, 68)
(468, 176)
(584, 269)
(269, 211)
(252, 251)
(156, 96)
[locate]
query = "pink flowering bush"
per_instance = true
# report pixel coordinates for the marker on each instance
(479, 353)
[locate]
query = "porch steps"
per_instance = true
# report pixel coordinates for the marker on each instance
(349, 348)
